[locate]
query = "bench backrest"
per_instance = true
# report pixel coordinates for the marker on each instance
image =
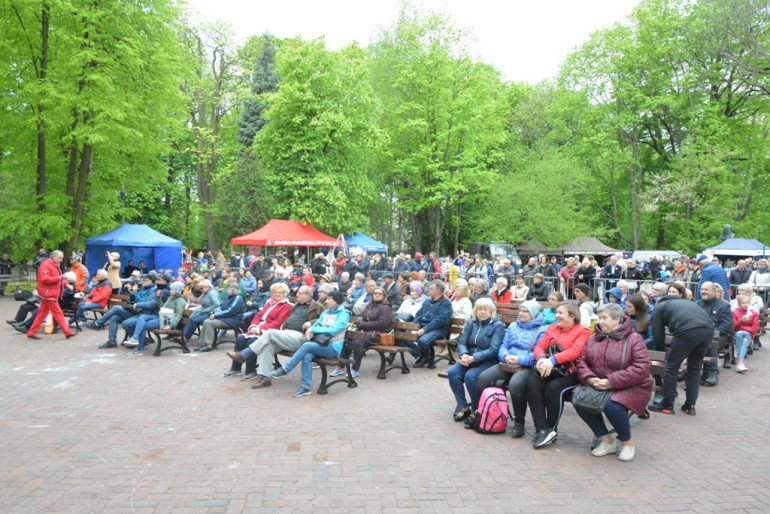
(404, 331)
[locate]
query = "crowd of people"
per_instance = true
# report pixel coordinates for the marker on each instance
(571, 328)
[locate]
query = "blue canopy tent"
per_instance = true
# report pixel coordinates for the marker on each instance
(364, 242)
(137, 243)
(737, 247)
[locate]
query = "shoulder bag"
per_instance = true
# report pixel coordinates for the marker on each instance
(590, 399)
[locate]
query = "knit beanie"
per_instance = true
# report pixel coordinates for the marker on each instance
(532, 306)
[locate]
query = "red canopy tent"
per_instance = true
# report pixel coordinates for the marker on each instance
(286, 233)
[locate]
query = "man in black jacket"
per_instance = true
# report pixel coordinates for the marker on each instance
(693, 330)
(722, 316)
(392, 291)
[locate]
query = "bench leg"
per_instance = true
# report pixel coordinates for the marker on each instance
(431, 357)
(384, 364)
(404, 367)
(322, 389)
(158, 343)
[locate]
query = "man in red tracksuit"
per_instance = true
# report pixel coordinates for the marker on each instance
(49, 287)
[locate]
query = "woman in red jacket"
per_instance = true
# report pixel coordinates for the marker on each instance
(545, 385)
(604, 366)
(746, 325)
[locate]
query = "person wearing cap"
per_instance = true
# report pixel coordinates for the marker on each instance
(477, 349)
(226, 315)
(148, 321)
(162, 282)
(516, 358)
(81, 273)
(133, 284)
(96, 299)
(113, 270)
(142, 299)
(710, 272)
(288, 336)
(209, 304)
(323, 293)
(325, 338)
(586, 306)
(392, 291)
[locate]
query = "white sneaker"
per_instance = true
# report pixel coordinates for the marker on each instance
(741, 368)
(606, 448)
(627, 453)
(131, 343)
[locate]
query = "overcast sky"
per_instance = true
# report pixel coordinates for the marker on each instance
(527, 40)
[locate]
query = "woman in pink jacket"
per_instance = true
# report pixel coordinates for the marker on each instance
(603, 366)
(746, 325)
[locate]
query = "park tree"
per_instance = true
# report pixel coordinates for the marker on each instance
(89, 92)
(318, 144)
(444, 119)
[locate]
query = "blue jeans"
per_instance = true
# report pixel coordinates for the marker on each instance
(617, 416)
(742, 342)
(116, 312)
(422, 348)
(459, 374)
(193, 323)
(306, 353)
(81, 314)
(144, 322)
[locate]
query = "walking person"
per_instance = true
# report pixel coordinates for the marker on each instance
(50, 286)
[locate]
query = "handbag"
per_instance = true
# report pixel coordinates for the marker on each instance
(590, 399)
(563, 370)
(322, 339)
(387, 339)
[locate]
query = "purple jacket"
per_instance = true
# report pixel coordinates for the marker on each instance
(601, 358)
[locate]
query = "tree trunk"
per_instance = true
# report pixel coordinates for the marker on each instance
(416, 233)
(42, 73)
(456, 245)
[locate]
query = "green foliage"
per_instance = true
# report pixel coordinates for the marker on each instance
(316, 148)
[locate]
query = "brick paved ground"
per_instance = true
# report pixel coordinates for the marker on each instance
(88, 430)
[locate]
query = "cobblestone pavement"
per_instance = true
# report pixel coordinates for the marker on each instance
(89, 430)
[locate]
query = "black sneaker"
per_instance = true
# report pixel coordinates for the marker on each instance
(688, 409)
(517, 430)
(658, 407)
(421, 362)
(544, 437)
(108, 344)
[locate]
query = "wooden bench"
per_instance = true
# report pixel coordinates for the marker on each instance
(71, 312)
(354, 340)
(218, 341)
(116, 299)
(156, 333)
(403, 331)
(456, 326)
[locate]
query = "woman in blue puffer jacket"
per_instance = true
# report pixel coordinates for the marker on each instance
(477, 347)
(516, 360)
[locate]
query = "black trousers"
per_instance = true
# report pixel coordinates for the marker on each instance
(544, 398)
(517, 386)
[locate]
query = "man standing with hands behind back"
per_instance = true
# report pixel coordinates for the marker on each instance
(49, 287)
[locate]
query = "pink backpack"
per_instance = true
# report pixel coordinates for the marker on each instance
(492, 416)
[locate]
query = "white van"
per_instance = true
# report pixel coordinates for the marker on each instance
(646, 255)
